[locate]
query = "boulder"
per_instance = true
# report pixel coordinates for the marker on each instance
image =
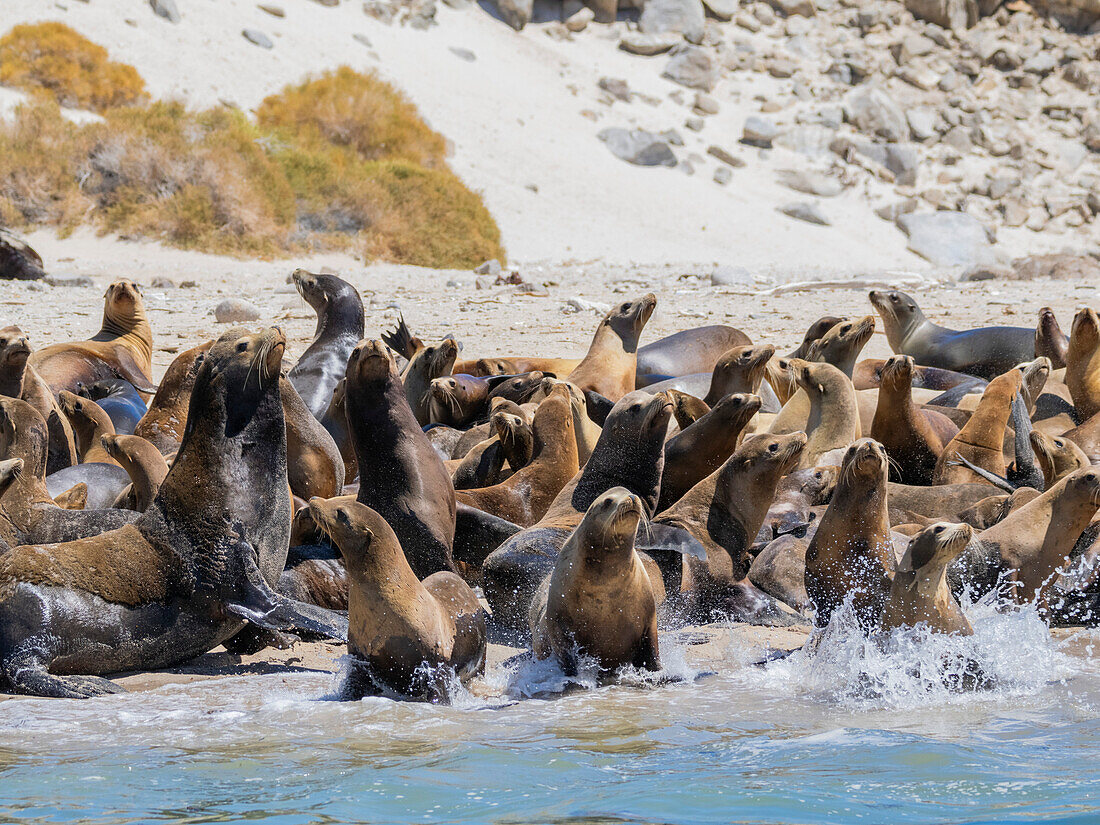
(693, 67)
(18, 262)
(673, 17)
(236, 311)
(948, 238)
(638, 146)
(874, 112)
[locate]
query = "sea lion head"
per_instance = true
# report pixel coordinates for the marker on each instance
(454, 399)
(370, 361)
(899, 312)
(1035, 375)
(15, 349)
(775, 455)
(897, 371)
(611, 523)
(439, 359)
(1048, 327)
(123, 303)
(843, 341)
(9, 472)
(518, 388)
(736, 409)
(1084, 335)
(1086, 484)
(644, 412)
(812, 376)
(815, 331)
(493, 366)
(937, 545)
(628, 318)
(356, 530)
(514, 432)
(748, 361)
(865, 459)
(83, 411)
(1057, 456)
(23, 434)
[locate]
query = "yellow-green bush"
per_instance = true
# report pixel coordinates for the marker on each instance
(76, 71)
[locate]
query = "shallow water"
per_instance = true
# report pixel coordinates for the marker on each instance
(851, 734)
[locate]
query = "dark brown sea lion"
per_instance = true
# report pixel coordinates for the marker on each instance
(426, 364)
(598, 602)
(164, 422)
(815, 331)
(400, 475)
(1050, 340)
(919, 593)
(406, 636)
(516, 365)
(796, 496)
(986, 352)
(851, 553)
(191, 570)
(457, 400)
(1083, 364)
(123, 347)
(687, 352)
(739, 369)
(611, 364)
(981, 439)
(90, 423)
(339, 328)
(483, 466)
(143, 463)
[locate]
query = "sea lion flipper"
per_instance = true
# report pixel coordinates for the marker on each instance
(129, 369)
(994, 479)
(656, 536)
(36, 680)
(477, 534)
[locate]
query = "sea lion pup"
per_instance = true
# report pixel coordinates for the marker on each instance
(164, 422)
(833, 420)
(913, 437)
(981, 439)
(986, 352)
(426, 364)
(339, 328)
(851, 553)
(119, 399)
(630, 454)
(123, 347)
(687, 352)
(457, 400)
(90, 423)
(191, 570)
(400, 475)
(738, 370)
(686, 408)
(693, 454)
(1083, 363)
(315, 466)
(525, 496)
(143, 463)
(724, 512)
(1030, 544)
(335, 420)
(1050, 341)
(919, 591)
(1057, 456)
(611, 364)
(407, 636)
(598, 602)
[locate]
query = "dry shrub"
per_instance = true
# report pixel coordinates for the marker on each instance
(77, 72)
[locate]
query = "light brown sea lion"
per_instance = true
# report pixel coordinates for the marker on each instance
(1083, 363)
(75, 498)
(981, 439)
(516, 365)
(851, 553)
(90, 423)
(1050, 340)
(919, 593)
(913, 437)
(407, 636)
(1057, 456)
(315, 466)
(611, 364)
(585, 429)
(123, 347)
(426, 364)
(524, 497)
(833, 420)
(1087, 437)
(739, 370)
(598, 601)
(143, 463)
(164, 421)
(687, 352)
(686, 408)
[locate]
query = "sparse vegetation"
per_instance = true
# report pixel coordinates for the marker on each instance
(362, 173)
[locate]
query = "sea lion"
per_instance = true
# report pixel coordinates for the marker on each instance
(106, 483)
(833, 420)
(164, 422)
(919, 593)
(914, 437)
(610, 366)
(119, 399)
(851, 553)
(90, 423)
(143, 463)
(586, 430)
(815, 331)
(986, 352)
(796, 496)
(123, 347)
(598, 602)
(457, 400)
(191, 570)
(686, 352)
(1050, 340)
(483, 466)
(517, 437)
(686, 408)
(693, 454)
(525, 496)
(739, 370)
(867, 375)
(630, 454)
(335, 420)
(1083, 363)
(516, 365)
(315, 466)
(778, 378)
(1087, 437)
(339, 328)
(981, 439)
(400, 475)
(426, 364)
(909, 503)
(1057, 456)
(407, 636)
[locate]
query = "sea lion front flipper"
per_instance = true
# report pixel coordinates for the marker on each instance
(657, 536)
(952, 396)
(477, 534)
(32, 678)
(997, 481)
(129, 369)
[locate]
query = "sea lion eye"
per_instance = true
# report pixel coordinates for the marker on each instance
(342, 516)
(242, 346)
(844, 329)
(939, 529)
(625, 307)
(773, 447)
(893, 297)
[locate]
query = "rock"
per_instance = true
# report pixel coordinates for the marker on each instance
(328, 3)
(721, 154)
(759, 132)
(516, 13)
(723, 10)
(359, 37)
(723, 175)
(948, 238)
(781, 67)
(420, 14)
(1041, 63)
(764, 13)
(874, 112)
(274, 11)
(696, 124)
(648, 45)
(725, 275)
(673, 16)
(638, 146)
(166, 9)
(1001, 185)
(892, 211)
(69, 281)
(1061, 266)
(913, 45)
(574, 305)
(922, 123)
(616, 87)
(579, 21)
(788, 8)
(490, 267)
(748, 22)
(903, 160)
(1015, 212)
(808, 212)
(957, 15)
(809, 182)
(807, 139)
(463, 54)
(705, 104)
(257, 38)
(236, 311)
(693, 67)
(383, 10)
(959, 140)
(987, 272)
(160, 282)
(18, 262)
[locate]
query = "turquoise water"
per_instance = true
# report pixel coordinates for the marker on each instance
(852, 734)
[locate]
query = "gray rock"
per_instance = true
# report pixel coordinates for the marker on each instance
(788, 8)
(948, 238)
(922, 123)
(903, 159)
(957, 15)
(810, 182)
(384, 10)
(808, 212)
(236, 311)
(490, 267)
(764, 13)
(1042, 63)
(807, 139)
(721, 154)
(959, 140)
(723, 10)
(696, 124)
(258, 38)
(274, 11)
(516, 13)
(18, 261)
(160, 282)
(725, 275)
(69, 281)
(1001, 185)
(616, 87)
(705, 104)
(673, 16)
(463, 54)
(723, 175)
(638, 146)
(892, 211)
(874, 112)
(359, 37)
(166, 9)
(759, 132)
(693, 67)
(648, 45)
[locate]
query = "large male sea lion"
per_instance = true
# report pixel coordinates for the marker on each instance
(919, 593)
(1083, 364)
(611, 364)
(339, 328)
(191, 570)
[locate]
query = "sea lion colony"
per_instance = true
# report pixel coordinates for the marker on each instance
(364, 494)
